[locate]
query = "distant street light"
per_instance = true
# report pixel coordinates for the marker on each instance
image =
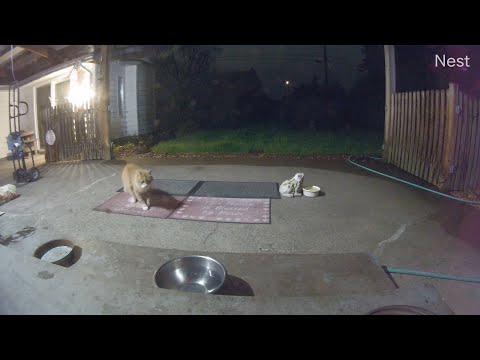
(286, 88)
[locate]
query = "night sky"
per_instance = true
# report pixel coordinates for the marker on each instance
(296, 63)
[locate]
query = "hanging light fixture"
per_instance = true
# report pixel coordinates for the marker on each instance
(81, 90)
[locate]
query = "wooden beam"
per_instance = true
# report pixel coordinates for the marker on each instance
(32, 73)
(136, 56)
(24, 71)
(74, 51)
(104, 100)
(6, 57)
(46, 52)
(4, 76)
(26, 59)
(390, 89)
(38, 49)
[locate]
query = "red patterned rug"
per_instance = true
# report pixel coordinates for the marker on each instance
(230, 210)
(162, 205)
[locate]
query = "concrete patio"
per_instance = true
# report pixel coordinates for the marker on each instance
(360, 214)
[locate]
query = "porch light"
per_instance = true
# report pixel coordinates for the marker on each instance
(81, 90)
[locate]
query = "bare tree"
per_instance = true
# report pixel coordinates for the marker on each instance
(187, 64)
(187, 69)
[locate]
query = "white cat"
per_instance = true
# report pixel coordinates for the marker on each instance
(292, 187)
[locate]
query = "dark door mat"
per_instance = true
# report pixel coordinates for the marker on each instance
(243, 190)
(174, 187)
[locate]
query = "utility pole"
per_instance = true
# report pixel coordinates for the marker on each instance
(325, 63)
(287, 85)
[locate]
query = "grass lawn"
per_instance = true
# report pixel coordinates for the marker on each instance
(273, 142)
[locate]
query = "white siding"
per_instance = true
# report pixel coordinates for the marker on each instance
(4, 127)
(27, 122)
(146, 113)
(131, 99)
(139, 105)
(118, 125)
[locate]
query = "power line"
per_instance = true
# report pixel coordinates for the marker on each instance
(256, 58)
(276, 61)
(276, 57)
(273, 55)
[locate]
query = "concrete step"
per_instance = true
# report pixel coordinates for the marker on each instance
(287, 275)
(32, 286)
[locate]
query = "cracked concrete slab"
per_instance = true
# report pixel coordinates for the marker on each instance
(358, 213)
(102, 282)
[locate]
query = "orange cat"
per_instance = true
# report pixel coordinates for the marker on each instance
(138, 182)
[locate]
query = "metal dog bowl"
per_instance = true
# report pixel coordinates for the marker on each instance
(400, 310)
(199, 274)
(58, 252)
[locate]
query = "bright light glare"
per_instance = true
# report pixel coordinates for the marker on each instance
(80, 88)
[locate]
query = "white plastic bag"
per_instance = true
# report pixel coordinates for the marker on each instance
(7, 193)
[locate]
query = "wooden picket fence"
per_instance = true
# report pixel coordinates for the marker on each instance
(435, 135)
(77, 134)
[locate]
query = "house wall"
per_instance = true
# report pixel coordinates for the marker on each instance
(127, 125)
(29, 122)
(139, 99)
(131, 109)
(139, 106)
(118, 125)
(4, 127)
(145, 98)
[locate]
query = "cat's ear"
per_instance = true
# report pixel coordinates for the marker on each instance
(149, 171)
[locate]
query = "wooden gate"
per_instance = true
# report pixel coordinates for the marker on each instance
(435, 135)
(76, 133)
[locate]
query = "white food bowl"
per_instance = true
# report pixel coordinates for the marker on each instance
(311, 191)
